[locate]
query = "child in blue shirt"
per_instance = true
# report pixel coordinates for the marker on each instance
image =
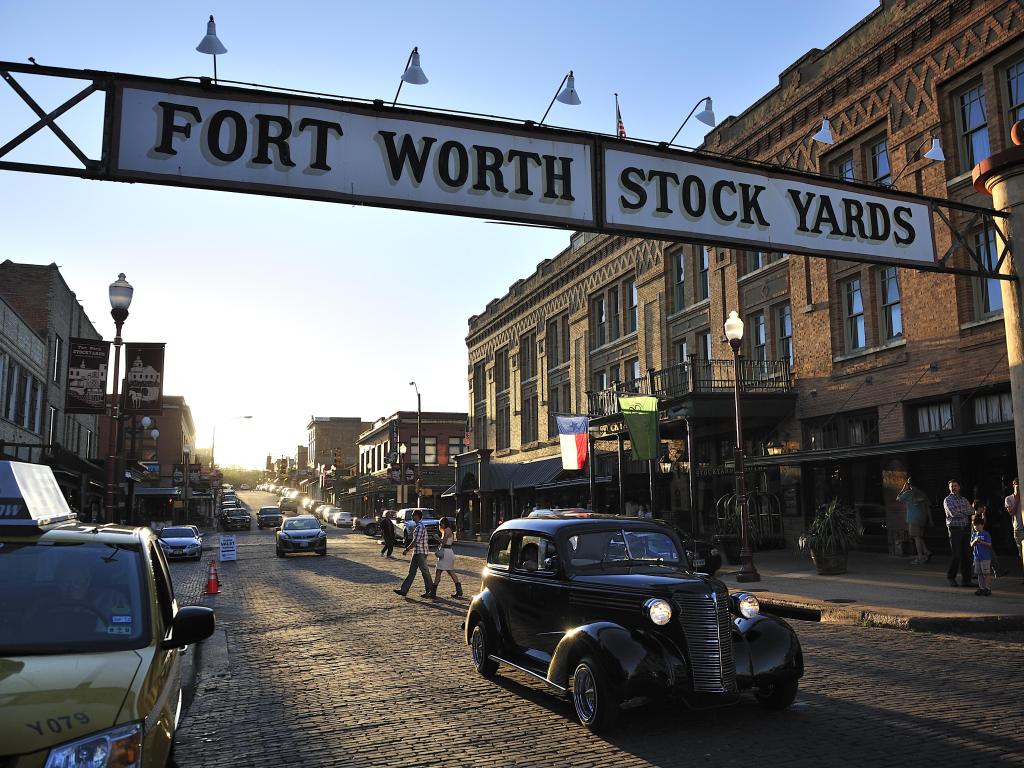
(981, 544)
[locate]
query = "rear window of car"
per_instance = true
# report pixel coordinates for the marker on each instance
(69, 598)
(270, 511)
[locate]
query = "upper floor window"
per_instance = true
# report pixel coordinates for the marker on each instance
(993, 409)
(679, 280)
(528, 356)
(684, 351)
(529, 420)
(479, 382)
(756, 260)
(704, 345)
(842, 168)
(892, 314)
(935, 417)
(455, 447)
(501, 370)
(430, 450)
(633, 370)
(784, 326)
(705, 266)
(881, 173)
(973, 127)
(613, 313)
(503, 432)
(758, 337)
(600, 322)
(1015, 91)
(558, 341)
(632, 301)
(990, 292)
(853, 316)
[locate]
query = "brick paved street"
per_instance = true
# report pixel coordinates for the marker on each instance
(328, 667)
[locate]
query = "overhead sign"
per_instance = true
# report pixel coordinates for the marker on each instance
(648, 192)
(287, 145)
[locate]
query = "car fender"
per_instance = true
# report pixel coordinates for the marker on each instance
(483, 607)
(638, 662)
(766, 649)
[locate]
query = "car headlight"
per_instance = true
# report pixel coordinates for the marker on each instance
(747, 605)
(119, 747)
(659, 611)
(322, 534)
(282, 534)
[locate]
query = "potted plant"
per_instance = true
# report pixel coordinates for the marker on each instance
(831, 535)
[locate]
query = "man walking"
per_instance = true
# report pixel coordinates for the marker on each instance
(420, 548)
(958, 521)
(1012, 504)
(387, 534)
(917, 519)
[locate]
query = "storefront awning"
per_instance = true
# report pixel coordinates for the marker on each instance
(143, 491)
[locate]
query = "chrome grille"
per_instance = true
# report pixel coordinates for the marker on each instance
(708, 627)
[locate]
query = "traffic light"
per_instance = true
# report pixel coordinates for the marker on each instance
(337, 457)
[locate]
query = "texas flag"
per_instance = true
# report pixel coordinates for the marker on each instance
(572, 436)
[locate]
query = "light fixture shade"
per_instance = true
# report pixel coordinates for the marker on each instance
(211, 43)
(568, 94)
(734, 327)
(707, 115)
(413, 74)
(935, 153)
(121, 293)
(155, 434)
(825, 134)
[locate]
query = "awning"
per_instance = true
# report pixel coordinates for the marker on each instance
(144, 491)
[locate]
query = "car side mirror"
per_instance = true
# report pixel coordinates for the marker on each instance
(323, 527)
(551, 563)
(278, 528)
(191, 624)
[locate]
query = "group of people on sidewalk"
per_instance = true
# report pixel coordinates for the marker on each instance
(419, 543)
(970, 543)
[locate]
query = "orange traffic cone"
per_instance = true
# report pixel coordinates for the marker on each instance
(212, 581)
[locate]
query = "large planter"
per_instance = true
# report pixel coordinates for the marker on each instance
(829, 563)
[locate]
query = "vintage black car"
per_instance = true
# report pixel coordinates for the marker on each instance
(607, 610)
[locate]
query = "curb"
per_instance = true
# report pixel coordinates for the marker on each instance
(826, 613)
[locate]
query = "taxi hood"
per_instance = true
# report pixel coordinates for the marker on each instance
(50, 699)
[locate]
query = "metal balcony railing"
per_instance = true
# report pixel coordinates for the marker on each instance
(696, 376)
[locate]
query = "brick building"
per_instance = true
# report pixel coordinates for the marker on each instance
(40, 313)
(853, 375)
(328, 434)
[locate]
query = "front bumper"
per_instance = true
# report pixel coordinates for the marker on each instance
(182, 554)
(302, 545)
(268, 522)
(237, 524)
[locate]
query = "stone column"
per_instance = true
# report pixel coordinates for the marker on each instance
(1002, 177)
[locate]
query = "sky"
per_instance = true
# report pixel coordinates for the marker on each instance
(284, 309)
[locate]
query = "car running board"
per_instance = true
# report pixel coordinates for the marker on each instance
(530, 672)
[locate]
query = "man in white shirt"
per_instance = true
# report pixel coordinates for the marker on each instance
(1012, 504)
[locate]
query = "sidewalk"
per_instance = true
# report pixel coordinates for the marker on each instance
(882, 590)
(878, 590)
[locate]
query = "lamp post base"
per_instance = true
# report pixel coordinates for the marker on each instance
(747, 572)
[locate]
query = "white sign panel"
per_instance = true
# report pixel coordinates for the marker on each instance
(228, 549)
(651, 193)
(276, 145)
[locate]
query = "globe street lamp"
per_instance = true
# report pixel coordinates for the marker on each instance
(734, 333)
(402, 450)
(120, 293)
(419, 444)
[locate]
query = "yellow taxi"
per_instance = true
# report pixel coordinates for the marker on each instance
(91, 636)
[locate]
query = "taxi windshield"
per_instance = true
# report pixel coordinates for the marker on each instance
(301, 525)
(619, 547)
(67, 598)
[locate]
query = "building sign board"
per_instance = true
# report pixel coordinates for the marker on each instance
(689, 198)
(277, 144)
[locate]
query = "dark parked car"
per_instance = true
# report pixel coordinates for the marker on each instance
(235, 519)
(302, 533)
(607, 609)
(268, 517)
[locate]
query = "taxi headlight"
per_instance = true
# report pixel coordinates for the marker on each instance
(747, 605)
(659, 611)
(119, 747)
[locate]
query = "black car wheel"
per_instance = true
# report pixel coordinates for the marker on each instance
(279, 552)
(372, 529)
(777, 695)
(597, 705)
(481, 648)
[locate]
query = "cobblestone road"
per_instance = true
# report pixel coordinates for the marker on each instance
(329, 668)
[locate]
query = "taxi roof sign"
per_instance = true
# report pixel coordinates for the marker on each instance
(29, 495)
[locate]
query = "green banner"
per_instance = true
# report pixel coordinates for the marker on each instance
(641, 417)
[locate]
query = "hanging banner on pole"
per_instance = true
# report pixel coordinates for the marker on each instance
(87, 376)
(641, 417)
(144, 379)
(573, 435)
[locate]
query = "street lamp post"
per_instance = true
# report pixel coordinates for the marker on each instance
(402, 450)
(747, 573)
(419, 444)
(120, 293)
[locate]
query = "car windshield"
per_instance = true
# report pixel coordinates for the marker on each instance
(67, 598)
(601, 548)
(177, 533)
(301, 525)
